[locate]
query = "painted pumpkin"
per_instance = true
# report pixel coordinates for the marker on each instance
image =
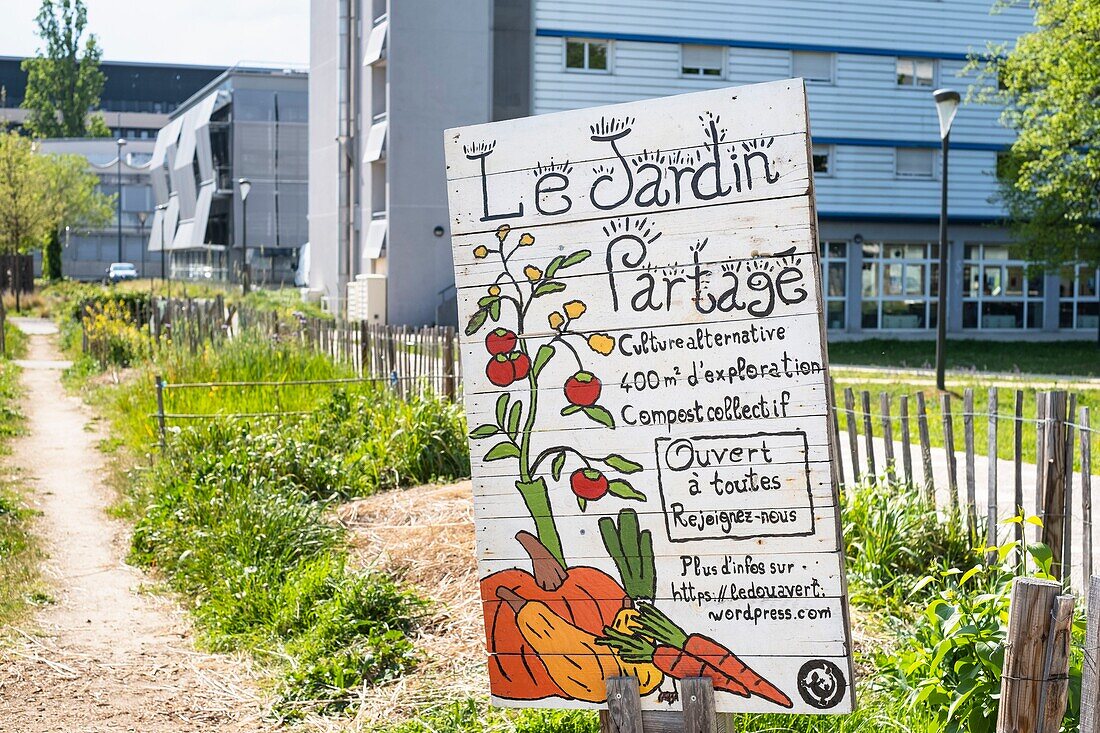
(585, 597)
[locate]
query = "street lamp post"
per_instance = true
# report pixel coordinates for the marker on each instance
(141, 217)
(947, 104)
(121, 143)
(244, 186)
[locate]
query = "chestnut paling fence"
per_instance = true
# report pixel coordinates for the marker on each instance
(883, 435)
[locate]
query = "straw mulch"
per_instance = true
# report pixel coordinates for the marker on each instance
(424, 536)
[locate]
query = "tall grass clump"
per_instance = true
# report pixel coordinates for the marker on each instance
(234, 521)
(19, 552)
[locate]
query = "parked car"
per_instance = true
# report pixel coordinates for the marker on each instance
(119, 271)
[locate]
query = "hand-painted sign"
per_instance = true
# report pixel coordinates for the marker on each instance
(646, 388)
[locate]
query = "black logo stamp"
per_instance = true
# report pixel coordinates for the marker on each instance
(821, 684)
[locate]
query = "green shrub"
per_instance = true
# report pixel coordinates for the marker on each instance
(952, 656)
(893, 539)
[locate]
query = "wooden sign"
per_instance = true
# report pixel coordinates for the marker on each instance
(646, 389)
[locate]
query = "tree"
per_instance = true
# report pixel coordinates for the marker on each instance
(1049, 181)
(25, 216)
(73, 200)
(63, 85)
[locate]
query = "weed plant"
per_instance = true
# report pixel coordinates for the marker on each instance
(19, 552)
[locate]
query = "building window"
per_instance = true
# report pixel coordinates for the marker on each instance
(813, 66)
(899, 286)
(913, 72)
(914, 162)
(997, 292)
(834, 282)
(709, 61)
(1077, 306)
(582, 55)
(823, 160)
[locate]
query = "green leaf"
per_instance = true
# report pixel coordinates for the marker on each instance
(552, 268)
(494, 310)
(500, 451)
(548, 288)
(502, 408)
(484, 431)
(624, 490)
(513, 418)
(544, 355)
(622, 465)
(600, 415)
(487, 299)
(477, 320)
(583, 504)
(557, 466)
(570, 410)
(576, 258)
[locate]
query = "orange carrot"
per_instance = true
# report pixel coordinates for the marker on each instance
(729, 664)
(681, 664)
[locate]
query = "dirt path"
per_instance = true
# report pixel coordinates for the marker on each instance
(104, 657)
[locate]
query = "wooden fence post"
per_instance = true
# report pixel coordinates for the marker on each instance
(906, 447)
(868, 432)
(968, 445)
(925, 451)
(1040, 452)
(1090, 670)
(834, 421)
(160, 412)
(853, 435)
(449, 387)
(991, 478)
(1067, 539)
(624, 707)
(1035, 681)
(1052, 479)
(887, 437)
(949, 451)
(1017, 453)
(624, 715)
(1086, 494)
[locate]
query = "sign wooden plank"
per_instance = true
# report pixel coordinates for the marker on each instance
(647, 393)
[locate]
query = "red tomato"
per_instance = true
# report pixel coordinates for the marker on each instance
(588, 483)
(500, 371)
(583, 388)
(500, 341)
(520, 363)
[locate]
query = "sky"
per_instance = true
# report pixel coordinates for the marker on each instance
(215, 32)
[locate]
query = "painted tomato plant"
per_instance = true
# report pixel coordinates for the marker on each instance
(513, 355)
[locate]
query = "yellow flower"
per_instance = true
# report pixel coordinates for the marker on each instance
(556, 320)
(502, 232)
(601, 343)
(481, 251)
(526, 240)
(575, 309)
(494, 290)
(533, 273)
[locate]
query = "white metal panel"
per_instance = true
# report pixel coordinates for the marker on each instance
(376, 238)
(376, 43)
(376, 142)
(202, 215)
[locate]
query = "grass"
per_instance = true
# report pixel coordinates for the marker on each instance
(20, 584)
(235, 514)
(1076, 358)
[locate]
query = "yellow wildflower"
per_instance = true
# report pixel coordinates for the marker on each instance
(481, 251)
(556, 320)
(575, 309)
(533, 273)
(526, 240)
(494, 290)
(601, 343)
(502, 232)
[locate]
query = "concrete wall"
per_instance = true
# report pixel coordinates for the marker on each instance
(438, 63)
(323, 197)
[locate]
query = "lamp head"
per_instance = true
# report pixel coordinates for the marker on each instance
(142, 216)
(162, 207)
(245, 186)
(947, 104)
(120, 142)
